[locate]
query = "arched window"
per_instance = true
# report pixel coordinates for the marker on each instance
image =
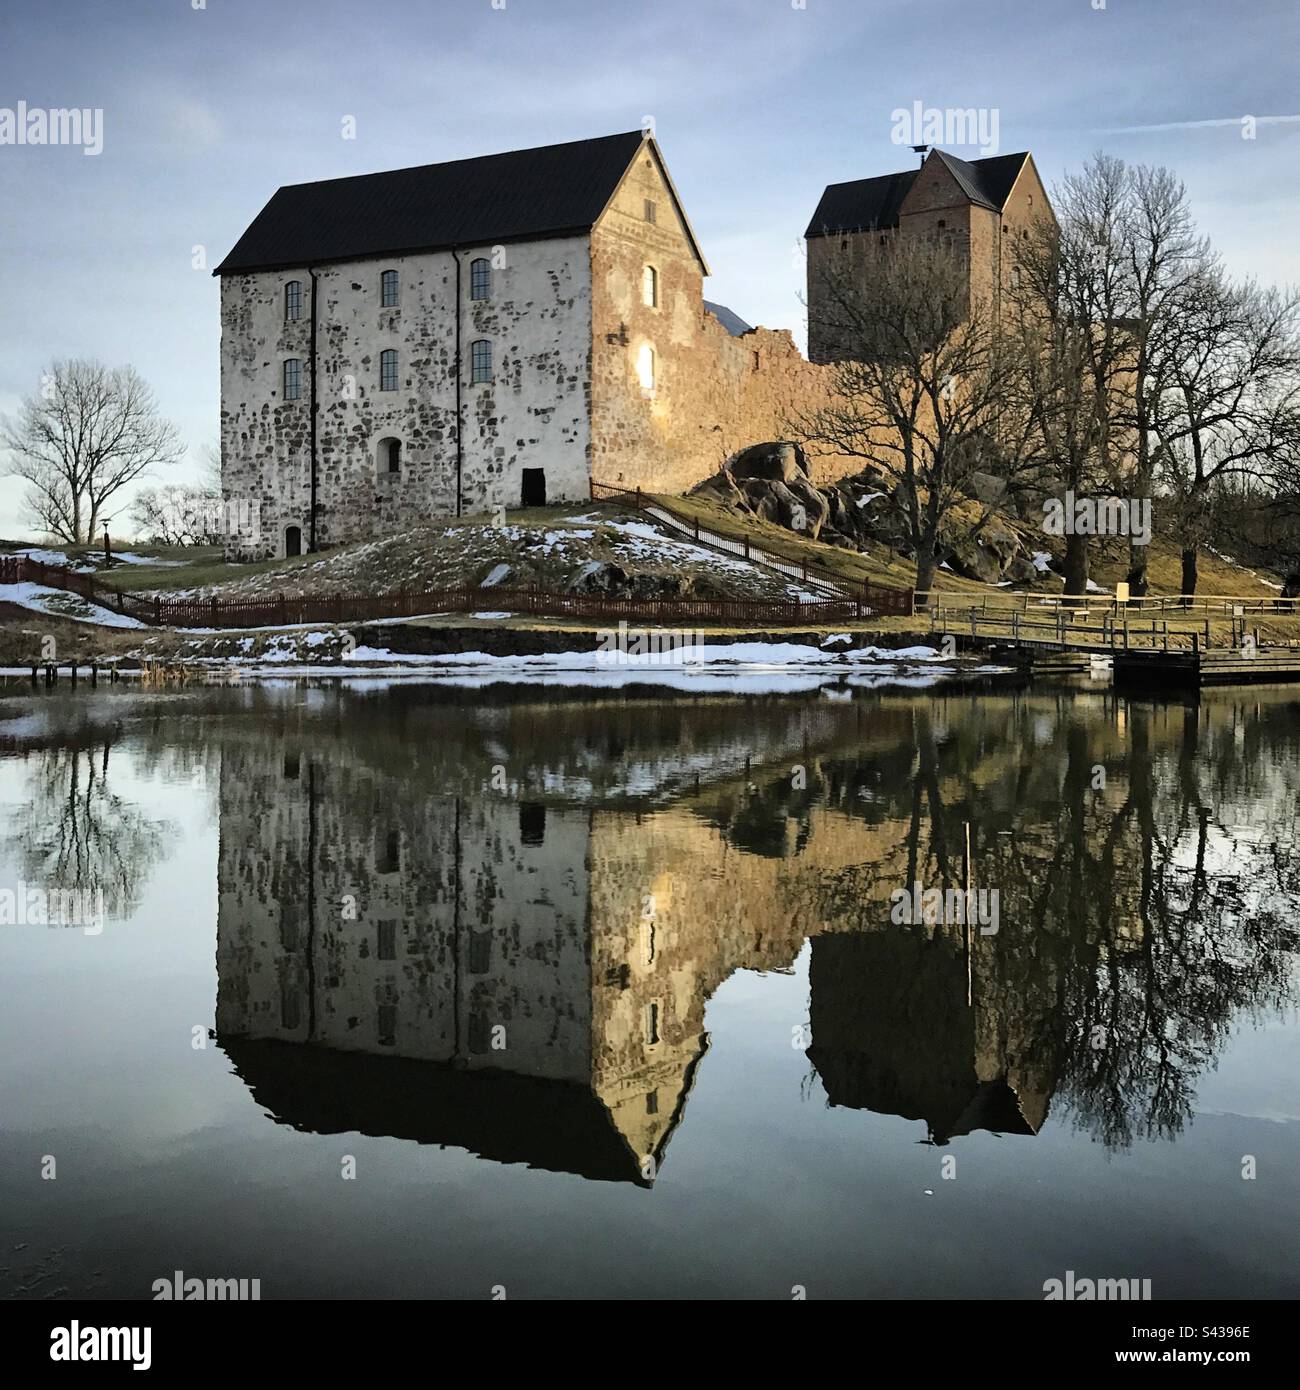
(292, 378)
(388, 369)
(480, 360)
(645, 367)
(480, 278)
(388, 289)
(293, 299)
(390, 455)
(650, 287)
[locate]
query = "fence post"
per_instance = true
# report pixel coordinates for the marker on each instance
(215, 623)
(157, 610)
(638, 497)
(283, 610)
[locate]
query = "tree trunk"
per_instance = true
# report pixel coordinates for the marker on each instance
(1137, 571)
(1189, 571)
(925, 571)
(1076, 564)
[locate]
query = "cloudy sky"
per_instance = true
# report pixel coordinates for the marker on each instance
(209, 105)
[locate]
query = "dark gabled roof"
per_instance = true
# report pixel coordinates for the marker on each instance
(864, 205)
(558, 1126)
(732, 322)
(873, 204)
(522, 194)
(986, 181)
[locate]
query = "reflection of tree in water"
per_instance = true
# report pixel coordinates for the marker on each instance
(1216, 941)
(1137, 928)
(76, 833)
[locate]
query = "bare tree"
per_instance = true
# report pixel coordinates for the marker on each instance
(80, 440)
(183, 513)
(922, 388)
(1063, 302)
(1161, 255)
(1231, 404)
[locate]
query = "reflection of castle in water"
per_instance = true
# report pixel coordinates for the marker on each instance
(388, 929)
(402, 951)
(521, 980)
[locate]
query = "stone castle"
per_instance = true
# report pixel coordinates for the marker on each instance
(503, 331)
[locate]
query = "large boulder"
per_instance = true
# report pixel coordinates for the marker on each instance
(779, 462)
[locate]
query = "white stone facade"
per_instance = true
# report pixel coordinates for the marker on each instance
(533, 413)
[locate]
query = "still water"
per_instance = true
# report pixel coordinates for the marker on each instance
(418, 991)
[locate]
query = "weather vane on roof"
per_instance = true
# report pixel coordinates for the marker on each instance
(922, 150)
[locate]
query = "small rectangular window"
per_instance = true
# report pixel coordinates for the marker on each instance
(480, 952)
(480, 360)
(388, 370)
(388, 289)
(480, 278)
(293, 299)
(292, 379)
(386, 940)
(390, 857)
(650, 210)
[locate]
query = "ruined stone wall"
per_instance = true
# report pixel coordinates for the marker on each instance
(533, 413)
(712, 394)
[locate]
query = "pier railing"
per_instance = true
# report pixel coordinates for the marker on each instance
(1119, 631)
(1095, 605)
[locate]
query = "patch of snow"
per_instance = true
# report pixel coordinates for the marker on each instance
(494, 576)
(37, 597)
(489, 615)
(1042, 561)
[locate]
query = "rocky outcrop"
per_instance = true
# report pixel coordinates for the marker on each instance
(771, 482)
(612, 580)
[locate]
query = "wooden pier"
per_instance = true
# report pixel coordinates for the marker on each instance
(1149, 649)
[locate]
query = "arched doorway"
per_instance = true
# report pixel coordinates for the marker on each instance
(292, 541)
(389, 455)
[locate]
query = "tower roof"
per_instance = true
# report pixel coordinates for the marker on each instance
(867, 205)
